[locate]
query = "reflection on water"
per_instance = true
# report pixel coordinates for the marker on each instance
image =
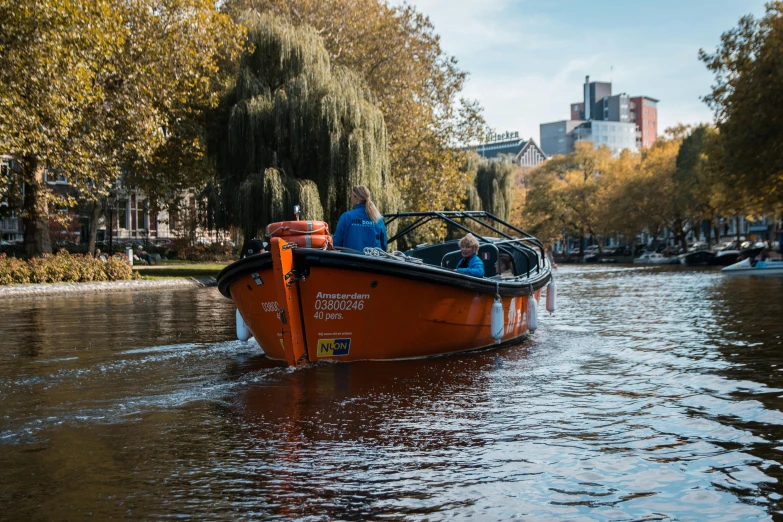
(651, 394)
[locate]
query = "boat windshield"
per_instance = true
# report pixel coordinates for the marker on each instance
(496, 237)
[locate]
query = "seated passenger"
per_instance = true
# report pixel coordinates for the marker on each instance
(505, 266)
(470, 263)
(252, 247)
(363, 226)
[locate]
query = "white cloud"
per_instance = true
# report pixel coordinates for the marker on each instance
(527, 67)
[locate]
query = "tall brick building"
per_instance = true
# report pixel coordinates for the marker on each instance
(644, 112)
(617, 121)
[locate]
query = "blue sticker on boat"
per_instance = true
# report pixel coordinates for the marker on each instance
(333, 347)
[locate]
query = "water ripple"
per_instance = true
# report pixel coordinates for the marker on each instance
(652, 394)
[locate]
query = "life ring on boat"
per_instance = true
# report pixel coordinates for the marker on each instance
(297, 228)
(311, 241)
(305, 234)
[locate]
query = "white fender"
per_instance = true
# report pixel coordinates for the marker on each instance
(532, 312)
(496, 320)
(243, 333)
(551, 296)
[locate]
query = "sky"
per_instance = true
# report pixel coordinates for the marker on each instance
(527, 59)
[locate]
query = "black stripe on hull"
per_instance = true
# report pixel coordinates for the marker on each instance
(306, 259)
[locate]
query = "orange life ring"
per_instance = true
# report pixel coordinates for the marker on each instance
(311, 241)
(297, 228)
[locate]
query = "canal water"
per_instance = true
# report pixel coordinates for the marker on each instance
(652, 393)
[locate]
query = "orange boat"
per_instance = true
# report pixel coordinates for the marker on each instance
(308, 304)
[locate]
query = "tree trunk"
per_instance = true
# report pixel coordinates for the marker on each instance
(96, 216)
(716, 227)
(736, 224)
(35, 211)
(582, 247)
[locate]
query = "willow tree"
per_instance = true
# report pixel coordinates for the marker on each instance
(494, 185)
(295, 130)
(418, 87)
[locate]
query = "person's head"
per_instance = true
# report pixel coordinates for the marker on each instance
(505, 262)
(253, 246)
(362, 195)
(469, 245)
(97, 251)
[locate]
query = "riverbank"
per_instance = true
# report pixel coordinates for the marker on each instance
(170, 275)
(113, 286)
(179, 270)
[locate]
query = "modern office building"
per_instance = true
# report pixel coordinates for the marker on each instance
(559, 137)
(618, 121)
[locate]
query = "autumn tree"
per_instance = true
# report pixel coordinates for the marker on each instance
(627, 205)
(92, 88)
(564, 192)
(746, 98)
(417, 86)
(295, 130)
(674, 205)
(701, 178)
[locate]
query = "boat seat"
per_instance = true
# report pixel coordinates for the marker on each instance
(524, 259)
(488, 254)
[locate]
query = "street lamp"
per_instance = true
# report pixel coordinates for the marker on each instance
(111, 200)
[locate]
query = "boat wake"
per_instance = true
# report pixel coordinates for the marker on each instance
(116, 387)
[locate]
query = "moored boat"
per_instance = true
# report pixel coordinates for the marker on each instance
(653, 258)
(306, 304)
(726, 257)
(697, 258)
(749, 267)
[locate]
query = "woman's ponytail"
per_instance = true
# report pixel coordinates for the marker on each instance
(364, 194)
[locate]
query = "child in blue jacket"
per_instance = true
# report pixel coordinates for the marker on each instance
(470, 263)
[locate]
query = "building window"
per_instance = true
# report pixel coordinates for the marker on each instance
(122, 213)
(561, 129)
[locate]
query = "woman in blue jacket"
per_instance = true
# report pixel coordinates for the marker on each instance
(470, 263)
(362, 226)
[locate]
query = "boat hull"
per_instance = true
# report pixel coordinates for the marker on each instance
(354, 307)
(745, 267)
(726, 258)
(697, 258)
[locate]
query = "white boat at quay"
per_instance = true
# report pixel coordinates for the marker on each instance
(653, 258)
(746, 267)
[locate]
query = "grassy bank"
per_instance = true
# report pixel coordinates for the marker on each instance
(179, 270)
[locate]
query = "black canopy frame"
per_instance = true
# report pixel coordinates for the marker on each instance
(522, 244)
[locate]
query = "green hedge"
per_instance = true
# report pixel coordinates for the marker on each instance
(215, 252)
(62, 267)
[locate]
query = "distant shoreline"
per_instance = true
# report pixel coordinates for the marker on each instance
(47, 289)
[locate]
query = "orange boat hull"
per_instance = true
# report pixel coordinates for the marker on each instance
(378, 317)
(372, 309)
